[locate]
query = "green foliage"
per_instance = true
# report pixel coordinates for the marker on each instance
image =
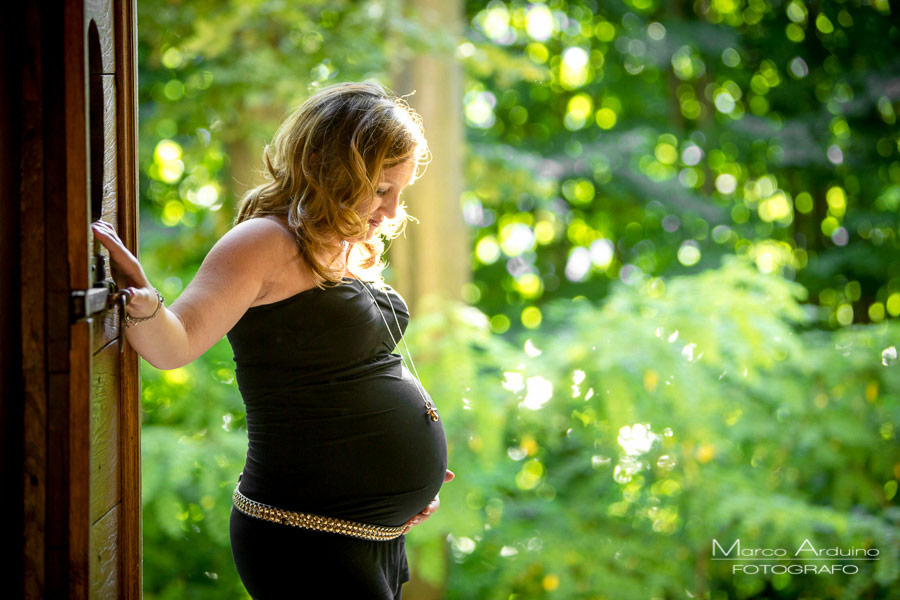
(193, 445)
(682, 410)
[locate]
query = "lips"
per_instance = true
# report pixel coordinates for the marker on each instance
(374, 223)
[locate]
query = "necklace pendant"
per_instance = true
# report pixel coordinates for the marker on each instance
(430, 410)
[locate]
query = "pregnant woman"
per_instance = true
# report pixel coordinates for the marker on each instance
(346, 448)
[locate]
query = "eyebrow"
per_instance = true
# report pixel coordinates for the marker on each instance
(389, 183)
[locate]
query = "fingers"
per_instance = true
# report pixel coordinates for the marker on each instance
(410, 524)
(107, 235)
(428, 510)
(105, 229)
(120, 256)
(422, 516)
(432, 506)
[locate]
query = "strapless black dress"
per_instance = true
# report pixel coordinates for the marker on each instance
(337, 426)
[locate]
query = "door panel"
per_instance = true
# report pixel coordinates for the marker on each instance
(102, 12)
(105, 487)
(105, 479)
(104, 581)
(108, 201)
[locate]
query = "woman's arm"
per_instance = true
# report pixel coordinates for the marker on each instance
(227, 283)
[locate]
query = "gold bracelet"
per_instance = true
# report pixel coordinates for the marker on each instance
(129, 320)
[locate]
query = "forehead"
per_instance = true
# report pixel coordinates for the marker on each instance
(400, 174)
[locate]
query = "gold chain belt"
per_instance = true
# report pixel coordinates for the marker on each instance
(375, 533)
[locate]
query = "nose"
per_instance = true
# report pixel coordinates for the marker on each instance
(389, 205)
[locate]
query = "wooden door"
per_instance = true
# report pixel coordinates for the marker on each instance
(114, 565)
(77, 388)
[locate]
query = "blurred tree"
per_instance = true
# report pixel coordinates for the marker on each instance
(432, 257)
(611, 138)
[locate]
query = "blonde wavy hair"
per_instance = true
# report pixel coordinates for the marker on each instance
(323, 167)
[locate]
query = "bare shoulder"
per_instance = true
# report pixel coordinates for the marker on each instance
(231, 278)
(261, 243)
(235, 267)
(267, 233)
(284, 272)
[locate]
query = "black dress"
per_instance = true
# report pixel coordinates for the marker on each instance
(337, 427)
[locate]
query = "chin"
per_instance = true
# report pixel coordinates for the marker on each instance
(374, 230)
(368, 237)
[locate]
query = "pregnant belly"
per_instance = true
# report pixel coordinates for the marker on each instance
(364, 450)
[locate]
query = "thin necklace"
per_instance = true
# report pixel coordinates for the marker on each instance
(429, 405)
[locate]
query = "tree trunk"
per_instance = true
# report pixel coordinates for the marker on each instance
(431, 261)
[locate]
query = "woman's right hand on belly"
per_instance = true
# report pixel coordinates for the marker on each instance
(428, 510)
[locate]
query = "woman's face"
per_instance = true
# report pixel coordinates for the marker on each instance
(387, 195)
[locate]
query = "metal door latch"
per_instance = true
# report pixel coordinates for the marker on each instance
(102, 296)
(85, 303)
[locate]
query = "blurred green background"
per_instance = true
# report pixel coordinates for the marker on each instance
(681, 323)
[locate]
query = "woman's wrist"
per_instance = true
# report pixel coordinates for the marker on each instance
(131, 320)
